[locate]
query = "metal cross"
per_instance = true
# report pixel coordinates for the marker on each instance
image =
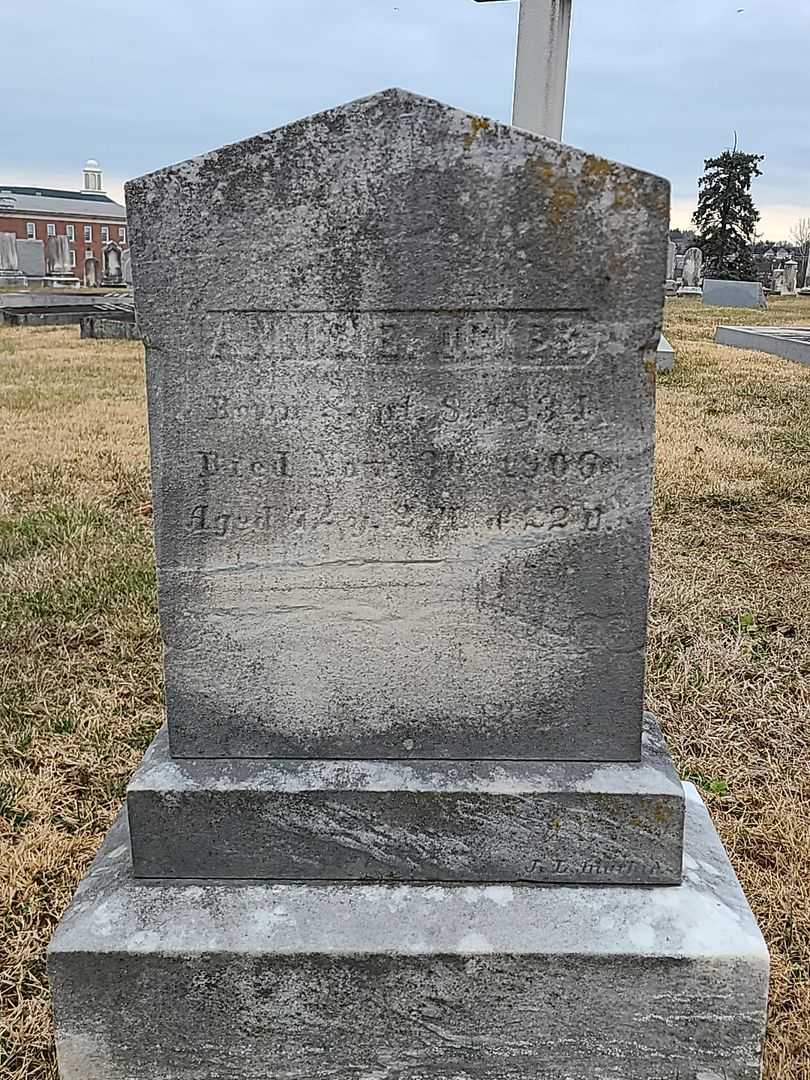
(541, 67)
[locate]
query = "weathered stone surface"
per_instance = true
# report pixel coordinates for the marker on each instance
(747, 294)
(115, 329)
(402, 450)
(693, 268)
(672, 253)
(112, 275)
(8, 252)
(238, 981)
(791, 343)
(31, 258)
(791, 277)
(57, 256)
(91, 272)
(10, 274)
(409, 821)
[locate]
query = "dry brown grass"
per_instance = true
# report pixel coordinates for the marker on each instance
(729, 668)
(79, 666)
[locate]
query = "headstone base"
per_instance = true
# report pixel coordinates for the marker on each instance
(243, 981)
(476, 821)
(61, 283)
(12, 279)
(690, 290)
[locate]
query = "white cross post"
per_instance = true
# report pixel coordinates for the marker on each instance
(541, 68)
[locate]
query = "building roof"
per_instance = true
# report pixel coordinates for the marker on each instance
(52, 201)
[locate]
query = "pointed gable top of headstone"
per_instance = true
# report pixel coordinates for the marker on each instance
(412, 188)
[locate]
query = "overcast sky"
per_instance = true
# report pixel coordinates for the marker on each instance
(661, 84)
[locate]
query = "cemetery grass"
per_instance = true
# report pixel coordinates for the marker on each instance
(80, 686)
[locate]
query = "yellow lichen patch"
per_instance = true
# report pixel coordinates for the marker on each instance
(477, 124)
(562, 201)
(625, 195)
(544, 172)
(596, 168)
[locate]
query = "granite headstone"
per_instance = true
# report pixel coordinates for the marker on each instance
(91, 271)
(58, 263)
(402, 488)
(791, 277)
(692, 271)
(745, 294)
(10, 274)
(112, 274)
(31, 258)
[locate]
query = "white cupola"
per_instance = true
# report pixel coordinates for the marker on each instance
(93, 178)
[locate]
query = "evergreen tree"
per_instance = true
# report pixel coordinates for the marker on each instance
(726, 218)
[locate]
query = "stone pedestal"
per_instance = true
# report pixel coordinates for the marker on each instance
(245, 981)
(12, 279)
(408, 818)
(539, 821)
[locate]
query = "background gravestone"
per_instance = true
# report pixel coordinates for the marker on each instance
(91, 274)
(402, 493)
(10, 274)
(31, 258)
(692, 272)
(112, 273)
(745, 294)
(57, 262)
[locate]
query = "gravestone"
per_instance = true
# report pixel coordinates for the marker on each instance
(402, 490)
(747, 294)
(791, 277)
(126, 266)
(112, 276)
(10, 274)
(692, 272)
(59, 272)
(789, 342)
(31, 258)
(670, 284)
(778, 285)
(91, 275)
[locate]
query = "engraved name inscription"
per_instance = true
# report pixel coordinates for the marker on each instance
(341, 427)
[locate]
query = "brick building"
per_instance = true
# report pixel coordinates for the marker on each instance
(89, 218)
